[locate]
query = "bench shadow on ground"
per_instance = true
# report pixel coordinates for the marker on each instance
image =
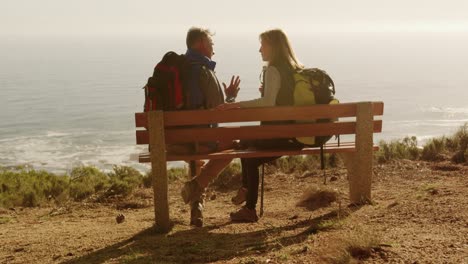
(202, 245)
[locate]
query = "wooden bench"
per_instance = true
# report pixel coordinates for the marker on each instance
(167, 128)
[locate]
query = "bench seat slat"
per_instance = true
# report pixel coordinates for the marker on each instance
(251, 153)
(199, 117)
(187, 135)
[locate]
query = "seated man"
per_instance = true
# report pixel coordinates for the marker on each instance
(205, 93)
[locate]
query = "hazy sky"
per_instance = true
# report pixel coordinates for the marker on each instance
(123, 17)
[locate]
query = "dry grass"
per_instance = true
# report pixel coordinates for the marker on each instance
(361, 244)
(429, 230)
(357, 245)
(317, 197)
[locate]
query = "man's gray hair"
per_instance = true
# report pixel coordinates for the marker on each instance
(195, 34)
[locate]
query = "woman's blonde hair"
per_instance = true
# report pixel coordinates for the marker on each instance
(282, 50)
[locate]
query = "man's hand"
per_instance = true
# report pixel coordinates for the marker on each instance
(233, 88)
(227, 106)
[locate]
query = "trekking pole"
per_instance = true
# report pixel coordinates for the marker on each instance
(262, 190)
(322, 165)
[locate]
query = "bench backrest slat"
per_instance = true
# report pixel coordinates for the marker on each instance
(201, 117)
(185, 135)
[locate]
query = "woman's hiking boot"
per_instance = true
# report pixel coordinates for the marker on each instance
(244, 215)
(191, 191)
(240, 197)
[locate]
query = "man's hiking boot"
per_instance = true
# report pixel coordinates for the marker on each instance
(191, 191)
(196, 214)
(240, 197)
(244, 215)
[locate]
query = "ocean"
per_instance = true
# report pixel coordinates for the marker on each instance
(70, 101)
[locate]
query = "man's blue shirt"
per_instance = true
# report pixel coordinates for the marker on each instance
(197, 61)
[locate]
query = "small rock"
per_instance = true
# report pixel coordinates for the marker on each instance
(21, 249)
(307, 174)
(69, 254)
(294, 217)
(120, 218)
(333, 178)
(213, 197)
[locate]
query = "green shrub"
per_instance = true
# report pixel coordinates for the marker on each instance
(302, 163)
(459, 157)
(86, 181)
(232, 169)
(283, 164)
(462, 136)
(459, 141)
(24, 187)
(178, 173)
(290, 164)
(433, 149)
(173, 174)
(406, 148)
(312, 162)
(229, 178)
(333, 160)
(459, 144)
(30, 199)
(123, 180)
(148, 180)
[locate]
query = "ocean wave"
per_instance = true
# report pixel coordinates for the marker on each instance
(446, 110)
(56, 134)
(60, 152)
(430, 122)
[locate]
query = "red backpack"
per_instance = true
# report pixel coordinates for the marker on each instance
(165, 89)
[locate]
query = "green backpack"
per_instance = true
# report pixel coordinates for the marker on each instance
(313, 86)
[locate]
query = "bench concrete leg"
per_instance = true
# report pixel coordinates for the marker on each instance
(359, 164)
(159, 169)
(349, 161)
(359, 189)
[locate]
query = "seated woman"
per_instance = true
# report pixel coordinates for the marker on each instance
(278, 90)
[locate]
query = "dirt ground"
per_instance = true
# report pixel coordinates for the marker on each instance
(419, 215)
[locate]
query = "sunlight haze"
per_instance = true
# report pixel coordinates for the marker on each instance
(145, 17)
